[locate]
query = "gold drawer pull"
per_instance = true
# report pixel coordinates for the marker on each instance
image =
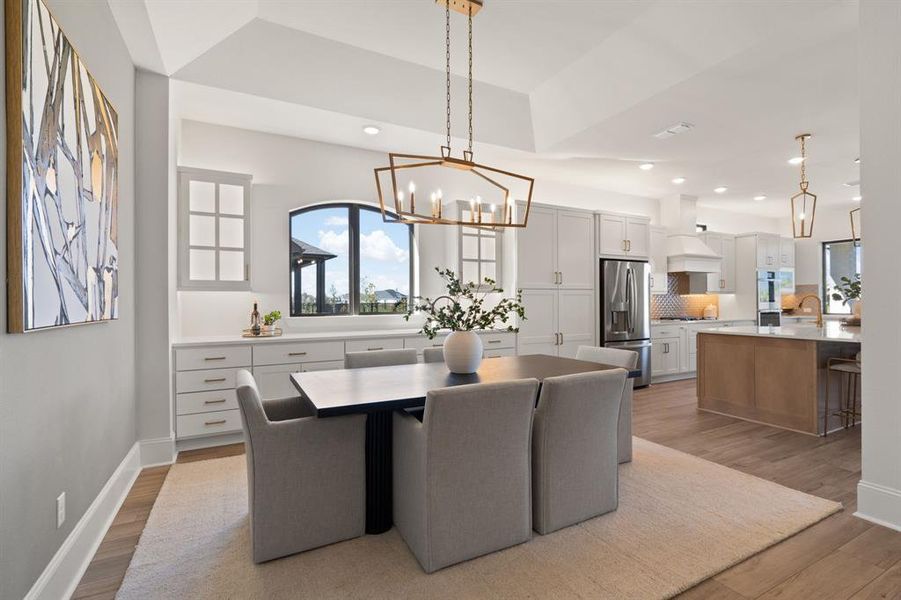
(219, 422)
(214, 358)
(217, 380)
(297, 353)
(437, 345)
(220, 401)
(376, 348)
(494, 341)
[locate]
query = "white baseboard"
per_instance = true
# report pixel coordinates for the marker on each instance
(879, 504)
(157, 451)
(64, 571)
(210, 441)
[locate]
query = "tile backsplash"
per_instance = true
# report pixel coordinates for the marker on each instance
(672, 304)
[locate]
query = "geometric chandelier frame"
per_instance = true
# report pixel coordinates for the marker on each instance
(804, 203)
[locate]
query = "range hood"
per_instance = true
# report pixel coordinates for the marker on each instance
(685, 252)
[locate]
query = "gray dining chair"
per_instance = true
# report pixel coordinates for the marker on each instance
(306, 477)
(462, 477)
(380, 358)
(626, 359)
(433, 355)
(575, 472)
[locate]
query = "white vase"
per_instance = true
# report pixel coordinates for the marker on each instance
(463, 352)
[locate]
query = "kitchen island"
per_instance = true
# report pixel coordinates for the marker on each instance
(774, 375)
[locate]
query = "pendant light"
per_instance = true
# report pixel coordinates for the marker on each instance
(483, 196)
(804, 203)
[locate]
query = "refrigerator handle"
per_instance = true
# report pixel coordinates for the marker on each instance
(630, 299)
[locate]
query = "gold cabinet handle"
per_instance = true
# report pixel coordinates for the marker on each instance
(561, 339)
(376, 348)
(214, 358)
(220, 401)
(217, 422)
(217, 380)
(297, 353)
(494, 341)
(437, 345)
(624, 245)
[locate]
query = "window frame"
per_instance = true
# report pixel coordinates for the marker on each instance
(185, 176)
(498, 250)
(826, 292)
(353, 239)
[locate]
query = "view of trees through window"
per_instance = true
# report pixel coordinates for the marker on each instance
(346, 260)
(840, 259)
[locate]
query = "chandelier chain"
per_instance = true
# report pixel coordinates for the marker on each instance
(447, 70)
(803, 163)
(470, 78)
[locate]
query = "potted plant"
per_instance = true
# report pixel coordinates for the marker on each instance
(270, 320)
(849, 292)
(462, 311)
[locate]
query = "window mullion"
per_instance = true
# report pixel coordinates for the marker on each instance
(354, 266)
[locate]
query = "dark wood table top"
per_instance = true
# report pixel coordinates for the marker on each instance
(349, 391)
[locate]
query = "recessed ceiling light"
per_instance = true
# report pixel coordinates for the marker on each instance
(857, 198)
(797, 160)
(371, 130)
(720, 190)
(678, 180)
(857, 160)
(759, 198)
(646, 166)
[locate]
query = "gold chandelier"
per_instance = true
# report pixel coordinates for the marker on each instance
(804, 203)
(484, 195)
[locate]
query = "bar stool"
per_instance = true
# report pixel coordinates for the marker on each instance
(849, 408)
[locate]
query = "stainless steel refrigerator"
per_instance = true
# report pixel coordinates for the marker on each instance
(625, 293)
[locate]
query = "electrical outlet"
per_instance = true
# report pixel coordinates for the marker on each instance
(60, 510)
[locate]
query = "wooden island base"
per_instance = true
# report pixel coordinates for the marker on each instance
(770, 380)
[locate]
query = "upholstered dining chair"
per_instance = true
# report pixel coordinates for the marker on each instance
(627, 359)
(380, 358)
(575, 472)
(462, 477)
(433, 355)
(306, 477)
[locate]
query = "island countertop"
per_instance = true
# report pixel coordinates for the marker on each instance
(832, 331)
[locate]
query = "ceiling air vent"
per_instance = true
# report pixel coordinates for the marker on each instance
(672, 130)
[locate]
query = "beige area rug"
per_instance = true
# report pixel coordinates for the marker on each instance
(681, 520)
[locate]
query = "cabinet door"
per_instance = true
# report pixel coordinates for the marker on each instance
(715, 243)
(575, 321)
(638, 238)
(768, 251)
(673, 356)
(536, 250)
(728, 265)
(613, 235)
(274, 381)
(665, 357)
(538, 332)
(657, 359)
(786, 252)
(658, 261)
(575, 249)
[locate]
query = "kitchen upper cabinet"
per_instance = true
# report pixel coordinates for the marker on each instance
(556, 250)
(538, 332)
(768, 251)
(658, 260)
(724, 245)
(575, 321)
(623, 236)
(786, 252)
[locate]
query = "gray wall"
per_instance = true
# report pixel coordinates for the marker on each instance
(67, 405)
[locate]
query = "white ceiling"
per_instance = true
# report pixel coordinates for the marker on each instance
(570, 90)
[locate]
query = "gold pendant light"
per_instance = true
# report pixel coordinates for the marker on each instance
(483, 196)
(804, 203)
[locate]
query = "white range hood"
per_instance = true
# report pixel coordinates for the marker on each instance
(685, 252)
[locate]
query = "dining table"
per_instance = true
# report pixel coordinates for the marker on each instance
(379, 391)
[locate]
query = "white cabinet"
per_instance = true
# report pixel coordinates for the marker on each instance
(658, 261)
(768, 251)
(556, 250)
(274, 381)
(786, 252)
(557, 322)
(624, 236)
(665, 356)
(724, 245)
(575, 321)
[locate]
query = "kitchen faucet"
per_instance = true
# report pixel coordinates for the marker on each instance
(819, 307)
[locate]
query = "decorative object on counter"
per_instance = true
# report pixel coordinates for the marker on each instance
(804, 203)
(270, 319)
(273, 332)
(849, 292)
(711, 312)
(62, 180)
(498, 186)
(256, 326)
(463, 313)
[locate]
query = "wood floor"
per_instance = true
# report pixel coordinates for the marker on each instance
(842, 557)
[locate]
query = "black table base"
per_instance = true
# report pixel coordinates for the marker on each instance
(379, 517)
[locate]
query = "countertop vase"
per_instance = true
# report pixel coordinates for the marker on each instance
(463, 352)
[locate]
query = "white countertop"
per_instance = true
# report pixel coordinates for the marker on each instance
(213, 340)
(832, 331)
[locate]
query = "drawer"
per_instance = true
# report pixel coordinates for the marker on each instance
(284, 353)
(495, 340)
(201, 381)
(214, 357)
(374, 344)
(211, 423)
(329, 365)
(665, 332)
(200, 402)
(421, 342)
(494, 353)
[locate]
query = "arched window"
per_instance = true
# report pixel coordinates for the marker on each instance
(345, 260)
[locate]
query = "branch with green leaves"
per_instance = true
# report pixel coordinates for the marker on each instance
(848, 289)
(463, 307)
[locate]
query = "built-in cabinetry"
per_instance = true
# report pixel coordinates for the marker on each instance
(786, 252)
(674, 347)
(658, 260)
(206, 404)
(724, 245)
(769, 250)
(624, 236)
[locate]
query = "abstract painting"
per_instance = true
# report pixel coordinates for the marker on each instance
(62, 179)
